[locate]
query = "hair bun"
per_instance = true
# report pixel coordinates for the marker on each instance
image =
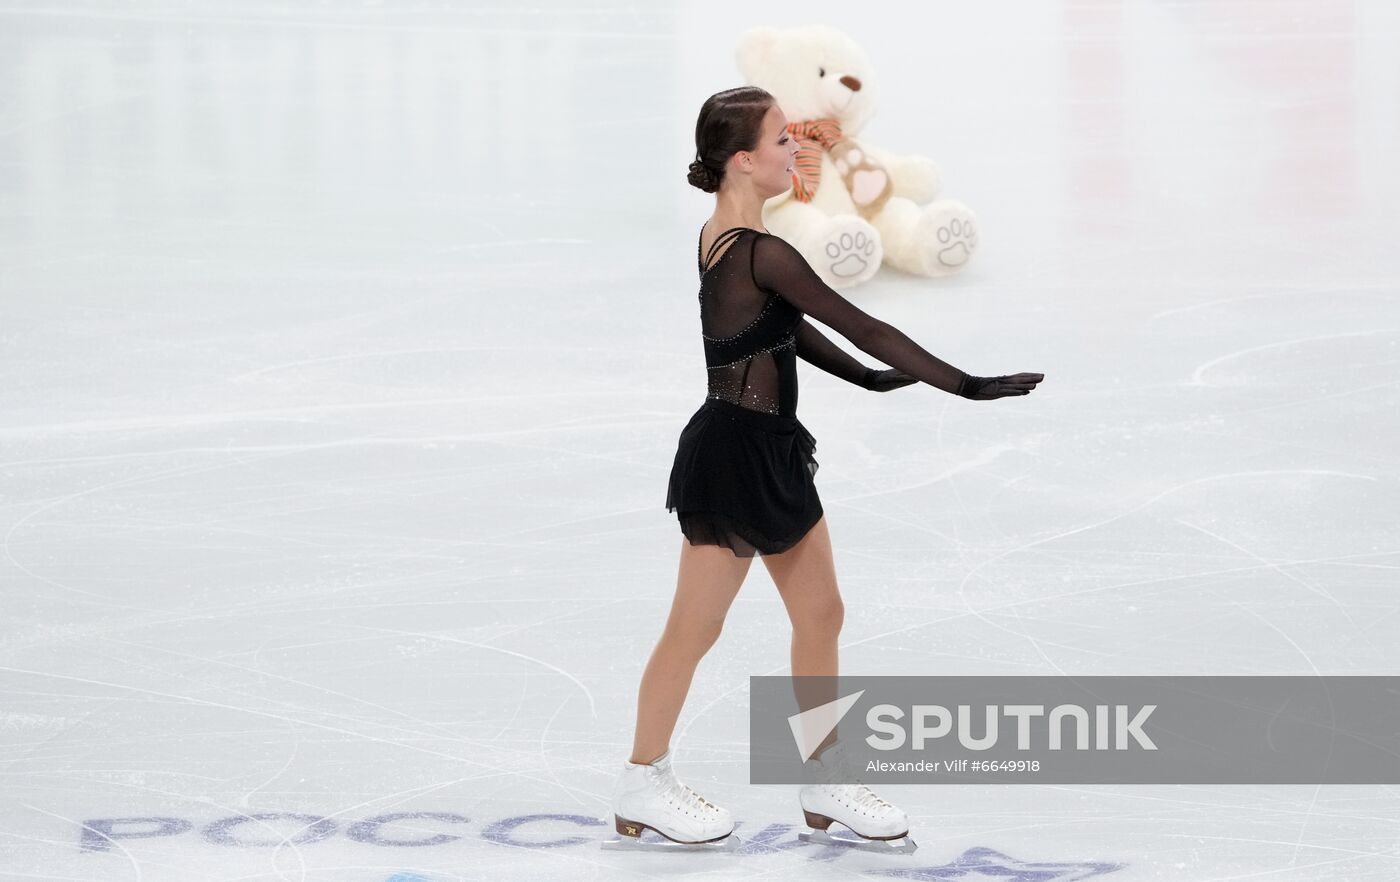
(702, 176)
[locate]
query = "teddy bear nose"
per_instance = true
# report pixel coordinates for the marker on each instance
(851, 83)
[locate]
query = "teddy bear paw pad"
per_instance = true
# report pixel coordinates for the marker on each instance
(958, 239)
(850, 254)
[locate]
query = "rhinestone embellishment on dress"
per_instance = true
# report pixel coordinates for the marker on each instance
(790, 341)
(735, 389)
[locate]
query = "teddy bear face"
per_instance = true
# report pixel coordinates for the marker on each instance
(814, 71)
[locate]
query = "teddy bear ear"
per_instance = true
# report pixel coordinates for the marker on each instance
(753, 48)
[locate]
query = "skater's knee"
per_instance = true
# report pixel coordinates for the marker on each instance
(820, 617)
(693, 637)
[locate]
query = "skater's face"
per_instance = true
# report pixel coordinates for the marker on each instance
(772, 162)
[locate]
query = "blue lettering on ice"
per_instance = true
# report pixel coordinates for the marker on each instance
(502, 832)
(989, 862)
(765, 841)
(367, 831)
(100, 834)
(314, 829)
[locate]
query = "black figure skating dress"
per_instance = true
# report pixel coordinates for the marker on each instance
(744, 467)
(742, 476)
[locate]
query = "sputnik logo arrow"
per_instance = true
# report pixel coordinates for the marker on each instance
(810, 727)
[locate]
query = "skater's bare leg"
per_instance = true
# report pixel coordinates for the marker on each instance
(710, 576)
(805, 576)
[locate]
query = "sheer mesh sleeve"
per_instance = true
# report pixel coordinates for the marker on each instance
(781, 268)
(815, 348)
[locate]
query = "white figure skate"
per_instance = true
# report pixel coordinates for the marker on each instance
(650, 797)
(854, 805)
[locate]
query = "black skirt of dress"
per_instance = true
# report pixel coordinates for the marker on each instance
(743, 479)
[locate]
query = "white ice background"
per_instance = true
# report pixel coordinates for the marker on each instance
(344, 349)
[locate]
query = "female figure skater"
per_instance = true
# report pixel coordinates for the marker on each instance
(742, 480)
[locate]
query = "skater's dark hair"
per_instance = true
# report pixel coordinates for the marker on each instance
(730, 121)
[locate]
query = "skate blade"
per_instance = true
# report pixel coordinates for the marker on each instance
(906, 845)
(661, 843)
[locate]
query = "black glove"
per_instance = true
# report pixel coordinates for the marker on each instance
(886, 380)
(987, 388)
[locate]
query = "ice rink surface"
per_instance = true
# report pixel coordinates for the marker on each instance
(346, 346)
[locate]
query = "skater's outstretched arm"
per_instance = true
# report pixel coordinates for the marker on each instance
(780, 268)
(814, 347)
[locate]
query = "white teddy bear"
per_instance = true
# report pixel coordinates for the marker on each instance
(852, 206)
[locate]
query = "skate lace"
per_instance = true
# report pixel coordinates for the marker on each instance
(677, 792)
(865, 798)
(857, 793)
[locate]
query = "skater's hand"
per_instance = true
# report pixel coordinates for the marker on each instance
(886, 380)
(987, 388)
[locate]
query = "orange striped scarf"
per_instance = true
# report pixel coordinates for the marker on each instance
(863, 175)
